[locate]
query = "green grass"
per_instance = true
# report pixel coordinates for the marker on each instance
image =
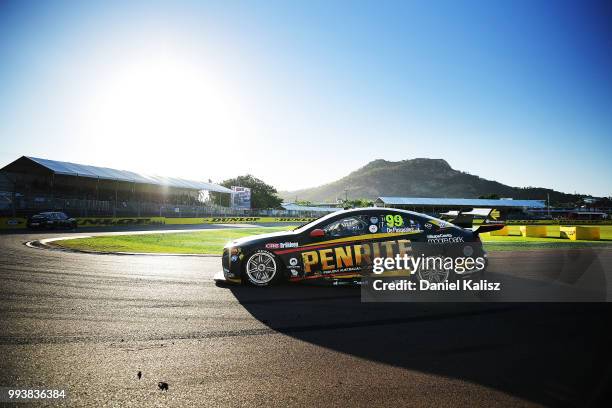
(201, 242)
(212, 241)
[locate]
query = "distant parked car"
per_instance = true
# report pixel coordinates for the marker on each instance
(51, 220)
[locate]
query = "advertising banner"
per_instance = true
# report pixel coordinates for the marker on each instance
(241, 197)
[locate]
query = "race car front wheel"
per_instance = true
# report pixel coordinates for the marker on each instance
(261, 269)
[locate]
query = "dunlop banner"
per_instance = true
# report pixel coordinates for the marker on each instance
(20, 222)
(106, 221)
(12, 222)
(236, 220)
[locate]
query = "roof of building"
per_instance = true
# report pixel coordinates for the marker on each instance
(460, 202)
(297, 207)
(105, 173)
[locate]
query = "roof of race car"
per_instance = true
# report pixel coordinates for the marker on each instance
(364, 209)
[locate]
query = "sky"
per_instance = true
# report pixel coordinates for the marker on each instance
(302, 93)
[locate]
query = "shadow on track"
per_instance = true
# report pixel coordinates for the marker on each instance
(556, 354)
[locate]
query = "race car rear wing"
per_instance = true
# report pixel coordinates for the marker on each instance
(487, 228)
(465, 219)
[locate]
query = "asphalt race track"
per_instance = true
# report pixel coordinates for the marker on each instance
(88, 323)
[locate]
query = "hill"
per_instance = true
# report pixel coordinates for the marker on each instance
(419, 178)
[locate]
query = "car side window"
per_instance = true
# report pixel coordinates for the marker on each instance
(346, 227)
(61, 216)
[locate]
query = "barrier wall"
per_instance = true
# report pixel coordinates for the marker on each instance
(553, 231)
(235, 220)
(559, 222)
(502, 232)
(580, 233)
(12, 223)
(111, 221)
(537, 231)
(19, 223)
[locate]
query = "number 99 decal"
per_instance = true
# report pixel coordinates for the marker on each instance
(394, 221)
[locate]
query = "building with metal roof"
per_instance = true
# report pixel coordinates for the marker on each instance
(504, 208)
(29, 164)
(84, 190)
(309, 208)
(457, 202)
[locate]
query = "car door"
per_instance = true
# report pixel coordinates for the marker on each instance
(333, 255)
(398, 233)
(62, 219)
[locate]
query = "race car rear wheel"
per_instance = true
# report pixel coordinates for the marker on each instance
(434, 275)
(261, 269)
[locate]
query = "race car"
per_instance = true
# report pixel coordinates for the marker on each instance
(345, 244)
(51, 220)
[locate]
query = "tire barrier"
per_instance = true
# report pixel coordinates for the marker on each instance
(537, 231)
(580, 233)
(502, 232)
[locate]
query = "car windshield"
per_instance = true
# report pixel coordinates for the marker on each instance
(312, 223)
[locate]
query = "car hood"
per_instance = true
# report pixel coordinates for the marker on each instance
(262, 238)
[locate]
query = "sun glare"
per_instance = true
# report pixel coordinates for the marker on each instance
(164, 102)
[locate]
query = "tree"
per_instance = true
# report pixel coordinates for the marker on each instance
(262, 195)
(357, 203)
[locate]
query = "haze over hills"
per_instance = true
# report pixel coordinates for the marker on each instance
(418, 178)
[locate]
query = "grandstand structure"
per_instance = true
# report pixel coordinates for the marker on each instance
(30, 184)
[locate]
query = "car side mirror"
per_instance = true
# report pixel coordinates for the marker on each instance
(317, 233)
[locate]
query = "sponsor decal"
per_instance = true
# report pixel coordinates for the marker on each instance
(234, 258)
(443, 239)
(281, 245)
(373, 228)
(351, 257)
(403, 229)
(294, 272)
(293, 261)
(234, 219)
(374, 220)
(294, 219)
(428, 225)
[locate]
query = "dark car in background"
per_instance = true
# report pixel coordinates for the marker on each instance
(51, 220)
(343, 244)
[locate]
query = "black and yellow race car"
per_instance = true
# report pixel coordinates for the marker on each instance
(344, 244)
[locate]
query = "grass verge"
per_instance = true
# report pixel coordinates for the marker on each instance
(201, 242)
(212, 241)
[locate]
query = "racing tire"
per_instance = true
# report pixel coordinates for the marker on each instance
(262, 268)
(435, 276)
